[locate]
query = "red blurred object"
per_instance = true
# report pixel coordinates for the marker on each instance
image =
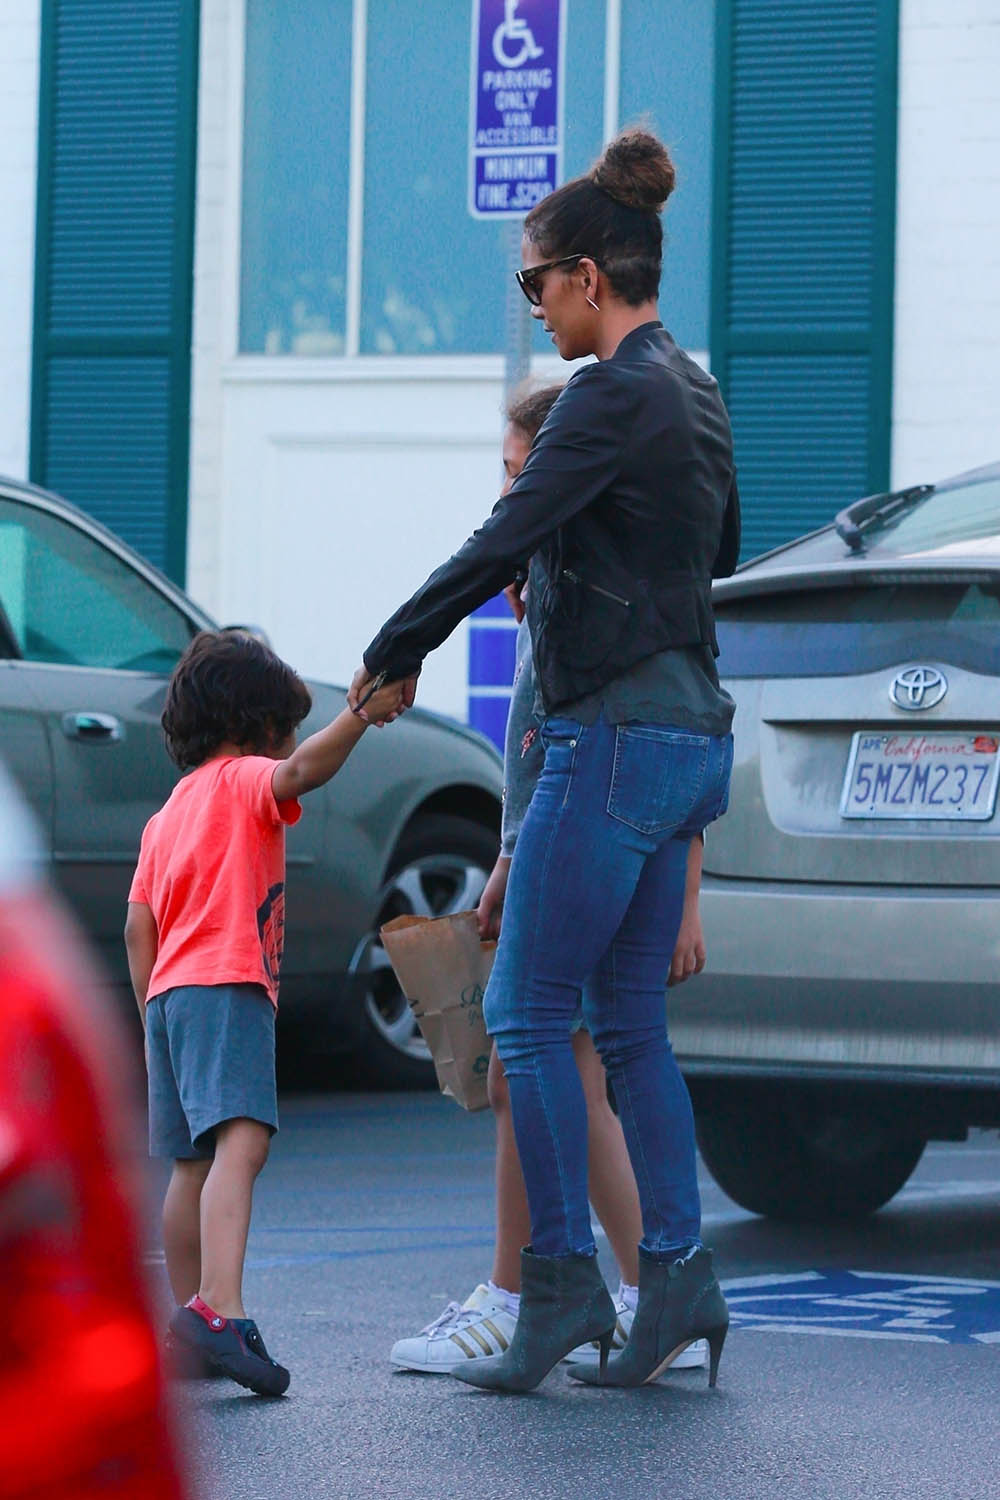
(82, 1401)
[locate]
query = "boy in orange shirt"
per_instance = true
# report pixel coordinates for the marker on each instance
(204, 937)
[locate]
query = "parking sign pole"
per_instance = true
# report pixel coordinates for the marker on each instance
(517, 316)
(515, 136)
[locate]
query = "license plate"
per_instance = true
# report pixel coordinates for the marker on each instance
(952, 776)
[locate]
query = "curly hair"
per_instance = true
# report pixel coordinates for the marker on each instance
(229, 686)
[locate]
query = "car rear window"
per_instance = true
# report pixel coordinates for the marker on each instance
(957, 520)
(830, 632)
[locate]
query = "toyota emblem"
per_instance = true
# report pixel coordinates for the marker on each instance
(918, 687)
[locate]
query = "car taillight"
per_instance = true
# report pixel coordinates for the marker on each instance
(82, 1408)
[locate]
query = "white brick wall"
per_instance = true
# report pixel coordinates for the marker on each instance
(19, 48)
(946, 386)
(217, 186)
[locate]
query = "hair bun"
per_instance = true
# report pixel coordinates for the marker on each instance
(635, 169)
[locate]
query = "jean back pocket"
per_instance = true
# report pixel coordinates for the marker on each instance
(658, 777)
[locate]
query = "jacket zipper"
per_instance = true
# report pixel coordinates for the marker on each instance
(575, 578)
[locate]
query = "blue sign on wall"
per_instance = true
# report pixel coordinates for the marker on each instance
(515, 105)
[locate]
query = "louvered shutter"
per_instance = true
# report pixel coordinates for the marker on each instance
(111, 379)
(803, 254)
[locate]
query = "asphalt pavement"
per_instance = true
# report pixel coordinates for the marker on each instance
(863, 1362)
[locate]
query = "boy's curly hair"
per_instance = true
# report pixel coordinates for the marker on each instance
(230, 686)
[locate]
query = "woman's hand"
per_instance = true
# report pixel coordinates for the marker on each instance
(384, 705)
(512, 594)
(491, 902)
(689, 953)
(362, 681)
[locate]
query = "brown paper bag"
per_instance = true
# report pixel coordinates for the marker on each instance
(443, 967)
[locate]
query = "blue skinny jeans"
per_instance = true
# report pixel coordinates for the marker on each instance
(593, 906)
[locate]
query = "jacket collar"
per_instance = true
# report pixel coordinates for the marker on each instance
(638, 336)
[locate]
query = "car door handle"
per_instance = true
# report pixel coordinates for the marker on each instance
(100, 728)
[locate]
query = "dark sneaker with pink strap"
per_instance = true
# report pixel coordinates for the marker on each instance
(232, 1346)
(185, 1362)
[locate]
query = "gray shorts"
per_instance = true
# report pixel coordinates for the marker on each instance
(210, 1058)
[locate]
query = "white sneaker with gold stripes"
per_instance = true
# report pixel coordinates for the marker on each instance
(479, 1328)
(694, 1357)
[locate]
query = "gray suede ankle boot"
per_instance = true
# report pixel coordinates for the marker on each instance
(564, 1302)
(679, 1301)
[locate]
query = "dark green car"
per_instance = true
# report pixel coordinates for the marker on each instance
(89, 633)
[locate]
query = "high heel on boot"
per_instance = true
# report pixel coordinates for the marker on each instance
(679, 1302)
(606, 1341)
(564, 1302)
(715, 1343)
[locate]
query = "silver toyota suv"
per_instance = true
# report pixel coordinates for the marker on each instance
(850, 1011)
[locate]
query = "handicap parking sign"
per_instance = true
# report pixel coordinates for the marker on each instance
(868, 1304)
(515, 105)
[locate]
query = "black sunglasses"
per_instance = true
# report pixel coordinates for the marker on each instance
(528, 280)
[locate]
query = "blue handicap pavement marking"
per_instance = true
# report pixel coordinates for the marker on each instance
(868, 1304)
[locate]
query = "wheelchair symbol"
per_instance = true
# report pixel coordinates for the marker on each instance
(516, 33)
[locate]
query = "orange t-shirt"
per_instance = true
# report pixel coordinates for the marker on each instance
(212, 872)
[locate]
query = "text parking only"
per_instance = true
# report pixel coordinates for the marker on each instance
(515, 106)
(868, 1304)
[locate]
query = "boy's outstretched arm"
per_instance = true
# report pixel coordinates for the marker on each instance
(321, 756)
(140, 945)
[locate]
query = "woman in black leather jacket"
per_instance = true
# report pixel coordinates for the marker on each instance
(626, 508)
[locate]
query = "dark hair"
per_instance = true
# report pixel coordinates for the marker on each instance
(230, 686)
(527, 411)
(612, 214)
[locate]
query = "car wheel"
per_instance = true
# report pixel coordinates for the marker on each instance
(804, 1161)
(439, 866)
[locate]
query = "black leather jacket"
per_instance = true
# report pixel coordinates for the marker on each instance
(628, 507)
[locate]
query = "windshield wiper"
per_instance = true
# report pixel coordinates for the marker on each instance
(848, 523)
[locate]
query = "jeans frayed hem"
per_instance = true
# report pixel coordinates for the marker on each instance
(681, 1251)
(563, 1254)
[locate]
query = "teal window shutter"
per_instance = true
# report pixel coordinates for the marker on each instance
(114, 252)
(802, 277)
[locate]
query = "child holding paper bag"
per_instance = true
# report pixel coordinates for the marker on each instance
(484, 1324)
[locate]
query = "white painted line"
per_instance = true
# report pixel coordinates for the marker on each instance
(839, 1333)
(909, 1321)
(959, 1187)
(947, 1283)
(955, 1147)
(776, 1278)
(819, 1320)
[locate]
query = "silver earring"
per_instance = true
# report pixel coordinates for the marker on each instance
(593, 304)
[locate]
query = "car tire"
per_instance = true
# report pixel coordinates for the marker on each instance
(805, 1161)
(440, 865)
